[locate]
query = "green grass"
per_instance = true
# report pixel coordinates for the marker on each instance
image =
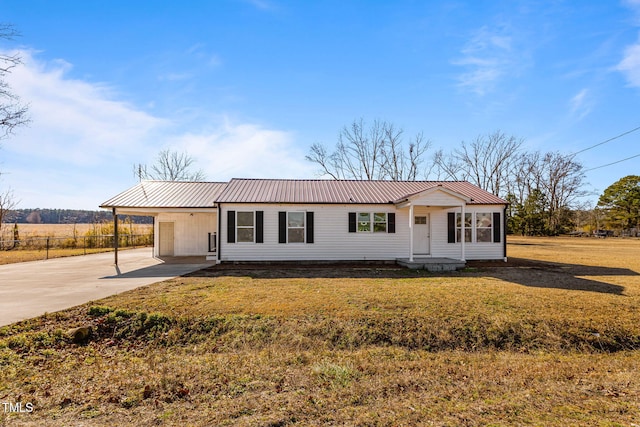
(530, 344)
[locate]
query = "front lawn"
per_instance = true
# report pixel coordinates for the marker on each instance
(551, 338)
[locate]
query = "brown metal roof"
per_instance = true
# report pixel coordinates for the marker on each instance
(167, 194)
(342, 191)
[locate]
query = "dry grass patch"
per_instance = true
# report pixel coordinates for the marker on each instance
(550, 342)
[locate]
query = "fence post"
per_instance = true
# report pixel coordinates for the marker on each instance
(47, 256)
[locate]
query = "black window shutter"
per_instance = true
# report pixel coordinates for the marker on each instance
(259, 226)
(352, 222)
(391, 222)
(496, 227)
(451, 227)
(282, 227)
(231, 226)
(309, 227)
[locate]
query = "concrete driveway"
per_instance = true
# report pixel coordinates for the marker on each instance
(30, 289)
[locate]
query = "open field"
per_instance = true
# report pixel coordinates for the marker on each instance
(64, 240)
(551, 338)
(66, 230)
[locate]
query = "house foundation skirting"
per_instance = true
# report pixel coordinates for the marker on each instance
(432, 264)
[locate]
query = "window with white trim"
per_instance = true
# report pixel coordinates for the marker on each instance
(467, 227)
(364, 222)
(380, 222)
(483, 227)
(245, 227)
(296, 227)
(376, 222)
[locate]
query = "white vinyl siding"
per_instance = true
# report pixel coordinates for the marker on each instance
(332, 240)
(191, 232)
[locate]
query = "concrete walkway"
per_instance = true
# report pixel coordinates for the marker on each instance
(30, 289)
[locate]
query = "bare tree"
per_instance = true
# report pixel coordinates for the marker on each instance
(486, 161)
(524, 175)
(7, 203)
(12, 113)
(447, 167)
(368, 153)
(554, 178)
(562, 181)
(170, 166)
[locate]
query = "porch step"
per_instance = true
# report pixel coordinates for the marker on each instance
(212, 256)
(432, 264)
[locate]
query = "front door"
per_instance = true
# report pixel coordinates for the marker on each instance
(421, 243)
(166, 239)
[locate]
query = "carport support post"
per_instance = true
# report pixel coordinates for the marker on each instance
(115, 235)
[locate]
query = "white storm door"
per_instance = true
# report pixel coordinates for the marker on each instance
(421, 243)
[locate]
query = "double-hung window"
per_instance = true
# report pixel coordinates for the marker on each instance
(467, 227)
(483, 227)
(364, 222)
(245, 227)
(479, 227)
(295, 227)
(380, 222)
(372, 222)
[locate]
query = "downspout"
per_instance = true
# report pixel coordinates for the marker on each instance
(411, 232)
(115, 236)
(504, 232)
(463, 236)
(219, 237)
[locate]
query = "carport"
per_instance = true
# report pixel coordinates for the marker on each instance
(185, 218)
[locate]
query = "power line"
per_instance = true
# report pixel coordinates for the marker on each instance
(608, 140)
(609, 164)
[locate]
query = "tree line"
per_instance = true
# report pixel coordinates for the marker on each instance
(544, 189)
(65, 216)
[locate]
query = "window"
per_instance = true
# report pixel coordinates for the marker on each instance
(467, 227)
(420, 220)
(364, 222)
(380, 222)
(483, 227)
(377, 225)
(295, 227)
(245, 228)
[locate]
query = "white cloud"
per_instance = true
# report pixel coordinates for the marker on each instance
(244, 151)
(581, 104)
(74, 121)
(488, 56)
(630, 64)
(83, 141)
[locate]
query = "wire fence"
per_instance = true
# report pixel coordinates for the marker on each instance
(46, 247)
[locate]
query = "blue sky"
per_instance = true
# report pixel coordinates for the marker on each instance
(246, 86)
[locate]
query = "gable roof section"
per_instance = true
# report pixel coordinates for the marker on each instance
(432, 190)
(343, 191)
(167, 194)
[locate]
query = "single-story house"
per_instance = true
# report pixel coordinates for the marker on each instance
(319, 220)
